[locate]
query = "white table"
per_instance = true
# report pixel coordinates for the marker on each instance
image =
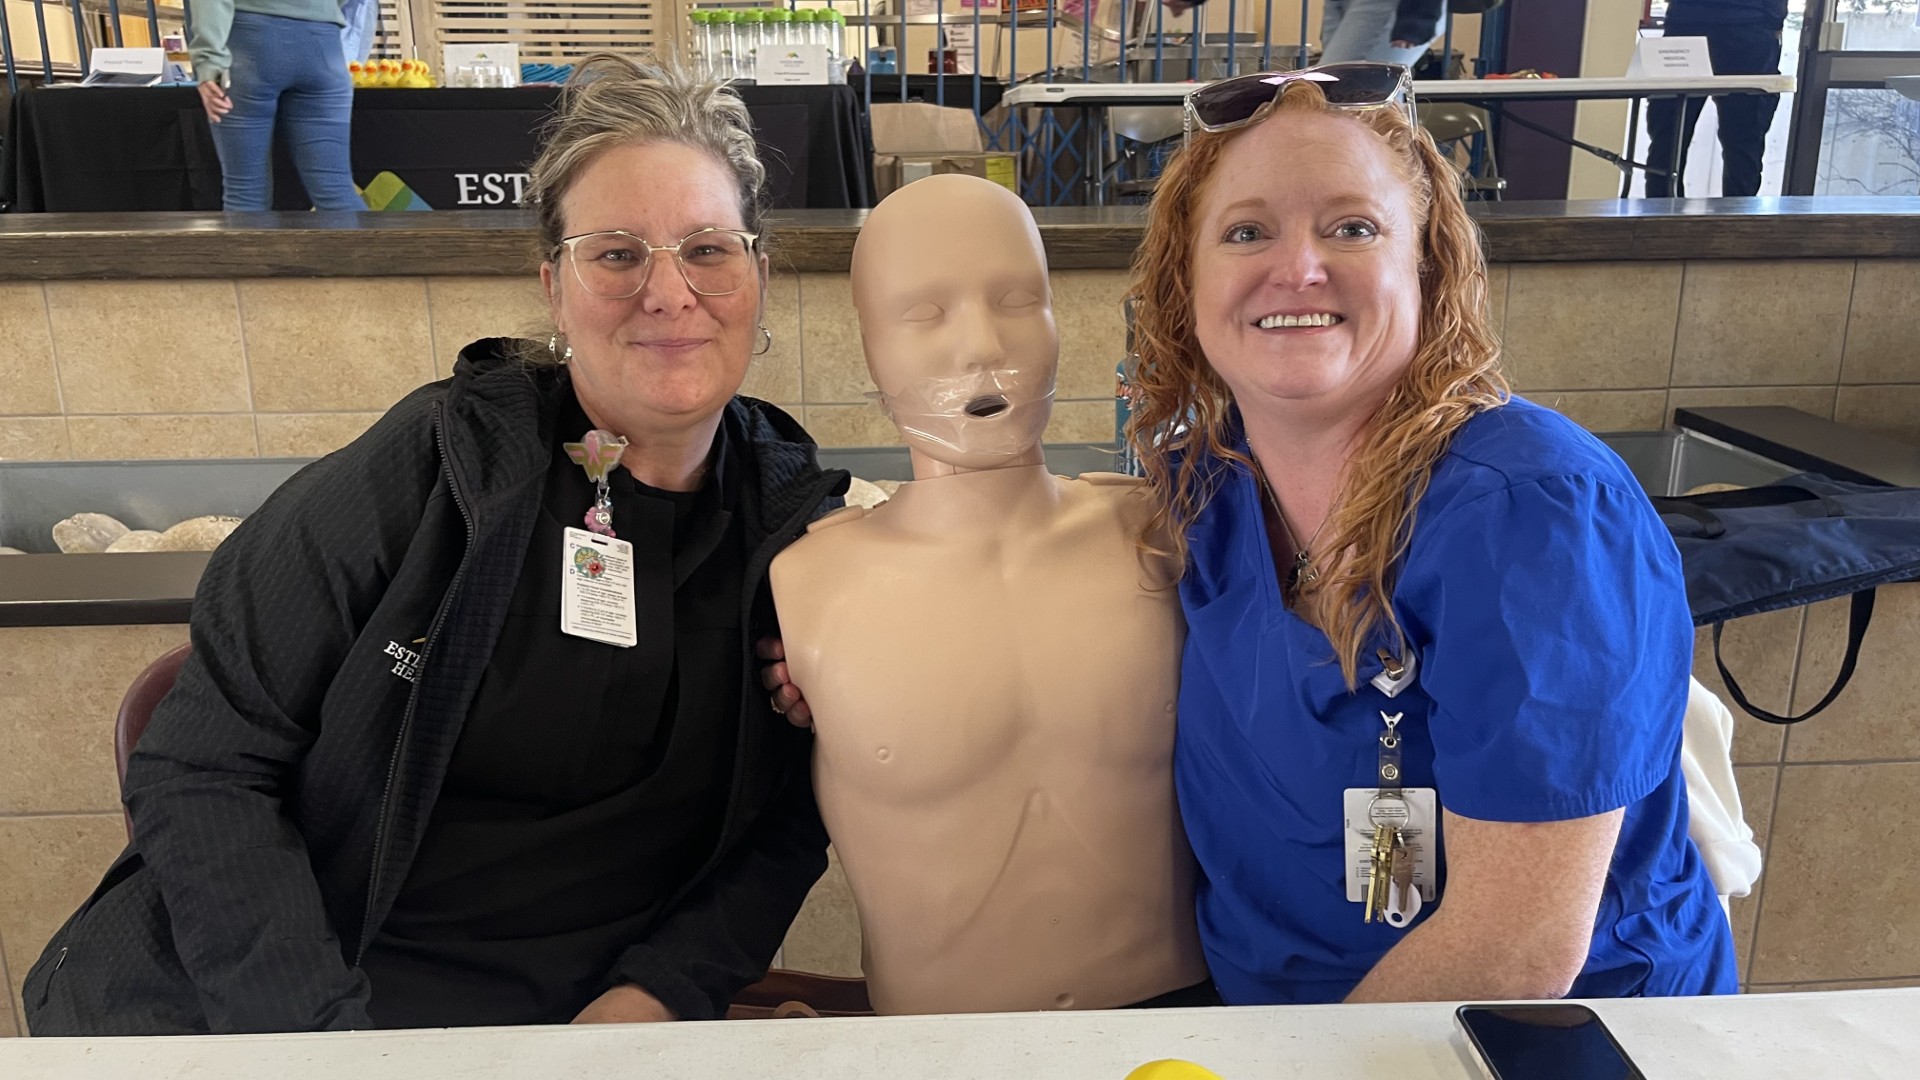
(1095, 98)
(1844, 1035)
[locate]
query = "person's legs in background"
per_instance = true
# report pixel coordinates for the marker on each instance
(244, 137)
(318, 113)
(1331, 14)
(1662, 114)
(1363, 30)
(1744, 118)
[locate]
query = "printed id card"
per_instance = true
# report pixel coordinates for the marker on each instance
(596, 589)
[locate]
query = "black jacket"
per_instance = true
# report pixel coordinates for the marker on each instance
(1763, 14)
(338, 637)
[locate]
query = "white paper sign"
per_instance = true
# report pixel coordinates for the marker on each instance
(129, 61)
(494, 64)
(1671, 58)
(790, 65)
(960, 40)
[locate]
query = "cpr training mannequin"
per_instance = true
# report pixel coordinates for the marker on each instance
(991, 672)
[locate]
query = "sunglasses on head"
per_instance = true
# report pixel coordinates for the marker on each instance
(1237, 102)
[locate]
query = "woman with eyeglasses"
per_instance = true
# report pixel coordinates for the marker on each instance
(1438, 646)
(470, 734)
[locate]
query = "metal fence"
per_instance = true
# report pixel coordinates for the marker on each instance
(1065, 155)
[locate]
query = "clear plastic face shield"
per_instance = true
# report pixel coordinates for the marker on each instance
(976, 419)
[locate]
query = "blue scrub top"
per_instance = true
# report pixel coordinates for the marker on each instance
(1545, 602)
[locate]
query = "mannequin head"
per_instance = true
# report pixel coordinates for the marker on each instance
(956, 317)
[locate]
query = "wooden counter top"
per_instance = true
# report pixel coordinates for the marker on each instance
(480, 242)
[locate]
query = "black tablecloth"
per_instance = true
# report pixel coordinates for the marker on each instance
(132, 149)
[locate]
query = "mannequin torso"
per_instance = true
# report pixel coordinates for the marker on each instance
(993, 687)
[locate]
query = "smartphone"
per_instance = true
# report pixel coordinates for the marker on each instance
(1546, 1041)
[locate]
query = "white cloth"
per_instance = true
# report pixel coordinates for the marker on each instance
(1715, 820)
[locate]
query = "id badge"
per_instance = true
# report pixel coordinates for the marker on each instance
(596, 589)
(1415, 811)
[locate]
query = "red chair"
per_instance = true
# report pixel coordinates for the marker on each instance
(780, 995)
(137, 708)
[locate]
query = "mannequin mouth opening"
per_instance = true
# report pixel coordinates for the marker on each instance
(987, 406)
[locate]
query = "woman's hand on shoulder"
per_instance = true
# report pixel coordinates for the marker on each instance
(625, 1004)
(786, 698)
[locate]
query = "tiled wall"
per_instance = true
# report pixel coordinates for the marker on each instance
(297, 367)
(217, 368)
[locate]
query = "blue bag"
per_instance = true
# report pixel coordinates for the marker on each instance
(1798, 541)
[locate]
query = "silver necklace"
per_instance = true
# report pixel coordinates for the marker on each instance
(1304, 572)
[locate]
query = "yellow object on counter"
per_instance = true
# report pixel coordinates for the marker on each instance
(1170, 1069)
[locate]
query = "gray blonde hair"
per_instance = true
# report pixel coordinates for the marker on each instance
(612, 101)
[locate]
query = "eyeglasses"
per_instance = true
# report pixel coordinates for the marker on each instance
(614, 265)
(1233, 103)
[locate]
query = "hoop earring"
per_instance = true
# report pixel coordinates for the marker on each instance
(766, 342)
(553, 350)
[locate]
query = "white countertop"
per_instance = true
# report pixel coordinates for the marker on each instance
(1173, 93)
(1845, 1035)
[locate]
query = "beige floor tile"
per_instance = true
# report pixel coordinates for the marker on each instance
(825, 938)
(1591, 326)
(48, 865)
(1883, 322)
(776, 376)
(1608, 410)
(1499, 280)
(310, 434)
(340, 344)
(1093, 330)
(1817, 400)
(1756, 784)
(1893, 411)
(1759, 650)
(9, 1024)
(833, 365)
(179, 437)
(27, 381)
(1874, 717)
(148, 346)
(1762, 323)
(34, 438)
(1820, 987)
(850, 426)
(1841, 901)
(60, 687)
(1081, 423)
(466, 309)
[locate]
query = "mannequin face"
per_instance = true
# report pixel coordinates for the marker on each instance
(956, 316)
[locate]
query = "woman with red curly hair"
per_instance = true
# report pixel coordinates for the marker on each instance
(1439, 645)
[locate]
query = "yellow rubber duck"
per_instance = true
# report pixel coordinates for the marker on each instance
(1171, 1069)
(413, 74)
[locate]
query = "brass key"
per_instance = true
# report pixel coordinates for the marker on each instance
(1401, 871)
(1380, 870)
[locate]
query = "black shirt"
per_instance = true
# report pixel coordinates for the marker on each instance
(589, 782)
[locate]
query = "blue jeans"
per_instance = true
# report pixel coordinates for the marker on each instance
(1363, 30)
(292, 70)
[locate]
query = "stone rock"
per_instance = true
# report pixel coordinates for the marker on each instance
(85, 533)
(197, 534)
(137, 540)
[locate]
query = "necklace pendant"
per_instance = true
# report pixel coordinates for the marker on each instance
(1303, 569)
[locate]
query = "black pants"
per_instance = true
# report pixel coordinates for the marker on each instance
(1744, 118)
